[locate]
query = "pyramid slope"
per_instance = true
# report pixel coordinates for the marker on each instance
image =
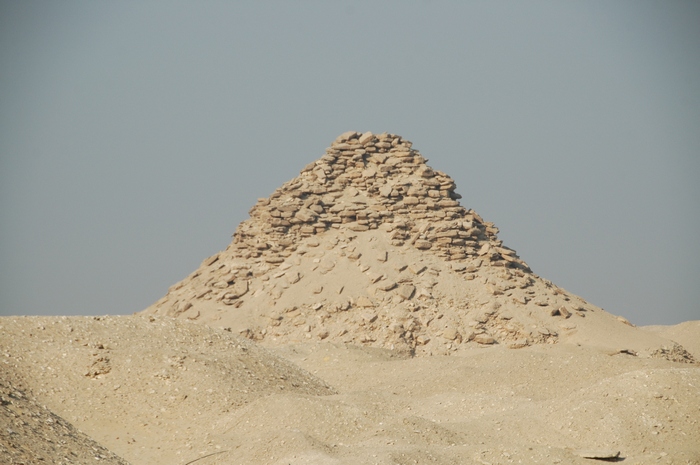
(369, 245)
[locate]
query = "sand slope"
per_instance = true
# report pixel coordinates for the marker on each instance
(148, 388)
(31, 433)
(169, 392)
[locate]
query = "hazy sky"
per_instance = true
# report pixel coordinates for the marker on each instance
(135, 136)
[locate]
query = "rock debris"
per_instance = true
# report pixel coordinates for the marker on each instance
(370, 225)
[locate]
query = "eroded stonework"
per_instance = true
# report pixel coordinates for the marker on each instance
(370, 245)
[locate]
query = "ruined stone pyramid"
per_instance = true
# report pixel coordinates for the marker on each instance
(370, 246)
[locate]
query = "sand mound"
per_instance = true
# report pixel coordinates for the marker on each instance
(684, 334)
(543, 404)
(31, 433)
(370, 246)
(126, 378)
(169, 392)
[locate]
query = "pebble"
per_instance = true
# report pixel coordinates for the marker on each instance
(364, 301)
(450, 334)
(406, 291)
(484, 339)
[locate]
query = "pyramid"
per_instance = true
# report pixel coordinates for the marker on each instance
(371, 246)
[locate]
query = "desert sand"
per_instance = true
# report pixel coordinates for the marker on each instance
(360, 316)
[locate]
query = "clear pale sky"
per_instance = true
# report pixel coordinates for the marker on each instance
(135, 136)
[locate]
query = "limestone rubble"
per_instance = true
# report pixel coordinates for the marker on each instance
(369, 245)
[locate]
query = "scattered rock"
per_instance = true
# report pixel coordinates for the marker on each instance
(675, 353)
(451, 334)
(364, 302)
(518, 343)
(624, 320)
(406, 290)
(484, 339)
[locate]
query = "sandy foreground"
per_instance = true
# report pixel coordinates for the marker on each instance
(155, 390)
